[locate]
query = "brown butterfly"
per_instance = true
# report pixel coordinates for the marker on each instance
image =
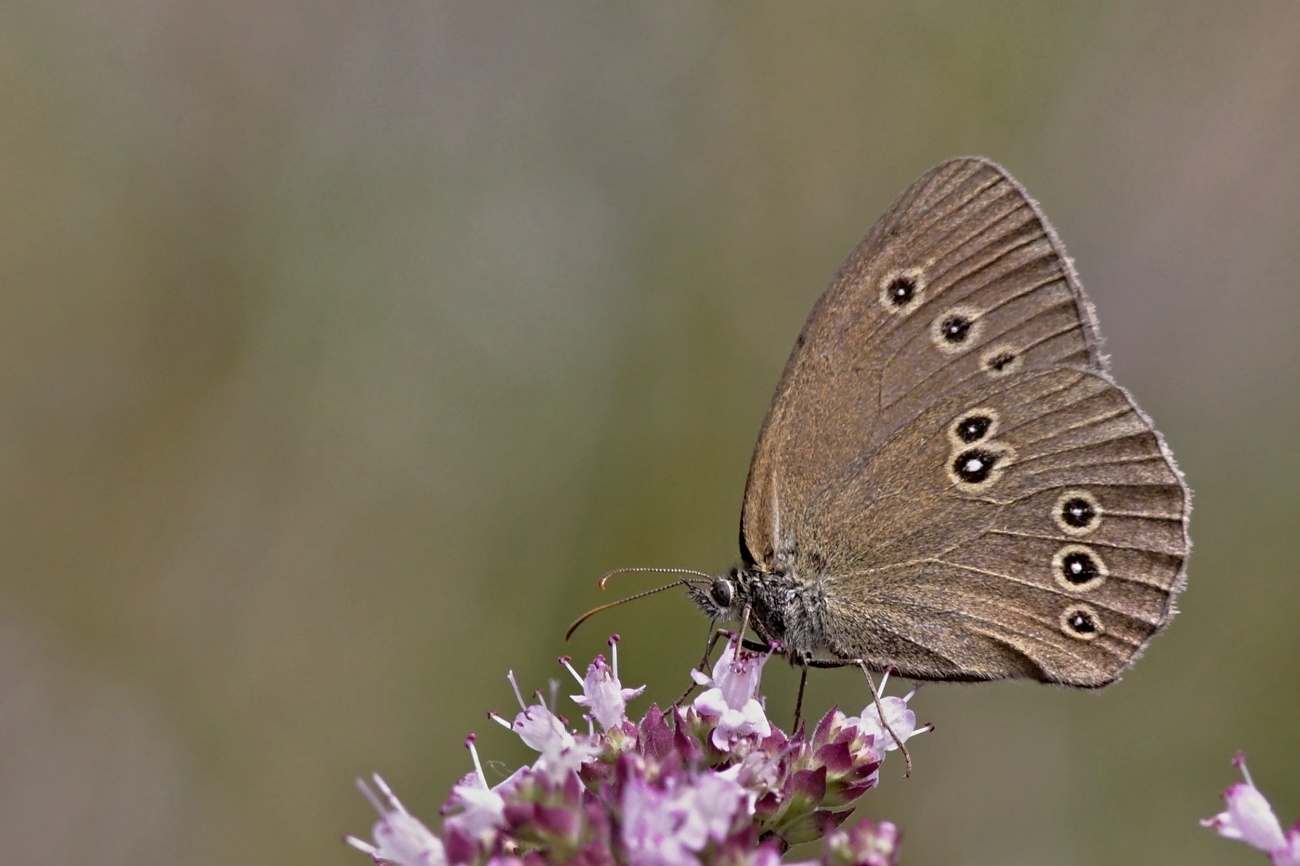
(948, 482)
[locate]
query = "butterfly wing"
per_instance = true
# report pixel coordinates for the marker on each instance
(1050, 546)
(964, 237)
(961, 292)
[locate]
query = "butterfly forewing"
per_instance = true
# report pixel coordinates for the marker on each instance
(964, 242)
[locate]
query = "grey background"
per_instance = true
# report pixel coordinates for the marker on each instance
(345, 344)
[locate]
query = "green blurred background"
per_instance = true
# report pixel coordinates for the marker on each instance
(344, 345)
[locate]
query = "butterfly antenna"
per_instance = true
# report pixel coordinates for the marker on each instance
(681, 581)
(613, 571)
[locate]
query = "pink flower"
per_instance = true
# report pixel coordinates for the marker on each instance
(652, 824)
(866, 844)
(900, 720)
(711, 804)
(602, 693)
(731, 698)
(535, 724)
(544, 731)
(711, 785)
(668, 824)
(483, 807)
(400, 838)
(1250, 819)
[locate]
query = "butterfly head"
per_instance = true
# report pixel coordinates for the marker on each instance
(723, 597)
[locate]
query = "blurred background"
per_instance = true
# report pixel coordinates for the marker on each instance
(344, 345)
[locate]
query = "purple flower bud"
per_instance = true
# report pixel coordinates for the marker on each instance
(656, 737)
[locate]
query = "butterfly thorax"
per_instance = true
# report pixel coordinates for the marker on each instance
(784, 609)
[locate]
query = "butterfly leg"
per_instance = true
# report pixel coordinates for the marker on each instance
(875, 698)
(703, 666)
(798, 702)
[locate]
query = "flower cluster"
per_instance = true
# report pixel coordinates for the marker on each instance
(1250, 819)
(712, 782)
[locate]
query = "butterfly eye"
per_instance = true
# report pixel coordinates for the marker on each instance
(722, 592)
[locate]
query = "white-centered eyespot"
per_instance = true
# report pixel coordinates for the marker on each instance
(1078, 568)
(901, 291)
(957, 329)
(1077, 513)
(1081, 621)
(976, 468)
(972, 426)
